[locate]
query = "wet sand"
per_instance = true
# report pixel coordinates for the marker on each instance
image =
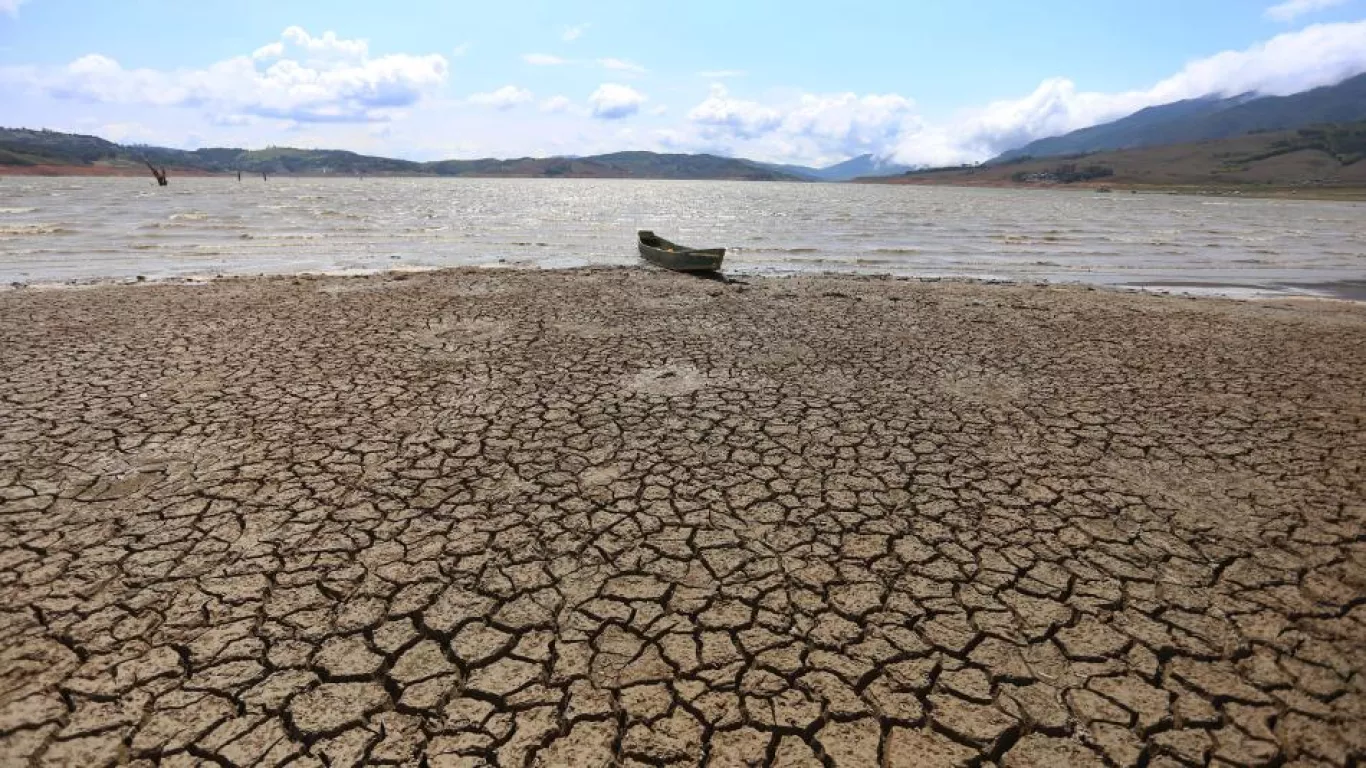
(619, 517)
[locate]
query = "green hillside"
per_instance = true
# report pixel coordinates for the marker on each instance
(51, 150)
(1208, 118)
(1324, 157)
(20, 146)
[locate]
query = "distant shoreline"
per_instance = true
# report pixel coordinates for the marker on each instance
(58, 171)
(98, 171)
(1334, 290)
(1346, 194)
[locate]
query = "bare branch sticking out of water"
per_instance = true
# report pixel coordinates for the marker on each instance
(160, 174)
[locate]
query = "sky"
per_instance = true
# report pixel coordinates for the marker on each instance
(925, 82)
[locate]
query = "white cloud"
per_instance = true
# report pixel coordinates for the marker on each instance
(744, 119)
(328, 47)
(129, 132)
(621, 65)
(721, 74)
(1293, 9)
(460, 50)
(1319, 55)
(506, 97)
(301, 88)
(836, 126)
(543, 59)
(227, 121)
(10, 6)
(556, 104)
(659, 110)
(573, 33)
(856, 123)
(1322, 54)
(1055, 107)
(612, 101)
(825, 126)
(299, 77)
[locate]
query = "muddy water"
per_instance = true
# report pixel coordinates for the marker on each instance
(54, 230)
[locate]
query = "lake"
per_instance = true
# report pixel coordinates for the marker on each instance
(79, 229)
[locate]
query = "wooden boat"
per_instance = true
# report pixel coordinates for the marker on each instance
(679, 258)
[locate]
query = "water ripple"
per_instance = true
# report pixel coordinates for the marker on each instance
(117, 228)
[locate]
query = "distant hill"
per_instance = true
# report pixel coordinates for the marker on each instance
(800, 171)
(23, 150)
(1208, 118)
(1136, 130)
(20, 146)
(618, 165)
(1318, 157)
(863, 165)
(853, 168)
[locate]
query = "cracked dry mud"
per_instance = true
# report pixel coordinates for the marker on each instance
(631, 518)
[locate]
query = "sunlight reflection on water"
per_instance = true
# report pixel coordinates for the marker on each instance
(58, 229)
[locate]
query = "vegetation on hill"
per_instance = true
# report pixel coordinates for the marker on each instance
(1323, 157)
(1208, 118)
(1347, 143)
(20, 146)
(618, 165)
(1067, 173)
(23, 147)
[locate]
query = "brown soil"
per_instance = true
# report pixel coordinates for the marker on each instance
(630, 518)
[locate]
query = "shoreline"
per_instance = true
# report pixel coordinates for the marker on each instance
(76, 171)
(1283, 192)
(1120, 187)
(1349, 290)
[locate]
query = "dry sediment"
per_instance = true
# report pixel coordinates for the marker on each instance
(632, 518)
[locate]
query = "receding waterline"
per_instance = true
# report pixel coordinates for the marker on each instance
(80, 229)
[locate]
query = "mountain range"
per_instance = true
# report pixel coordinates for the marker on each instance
(1323, 160)
(853, 168)
(1192, 121)
(29, 151)
(1205, 119)
(23, 150)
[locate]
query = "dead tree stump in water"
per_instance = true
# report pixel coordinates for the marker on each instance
(159, 174)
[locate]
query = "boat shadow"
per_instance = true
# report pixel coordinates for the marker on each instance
(717, 277)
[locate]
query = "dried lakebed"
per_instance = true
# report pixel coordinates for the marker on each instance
(631, 518)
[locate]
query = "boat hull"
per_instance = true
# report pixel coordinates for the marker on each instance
(663, 253)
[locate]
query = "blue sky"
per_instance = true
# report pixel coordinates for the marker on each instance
(925, 82)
